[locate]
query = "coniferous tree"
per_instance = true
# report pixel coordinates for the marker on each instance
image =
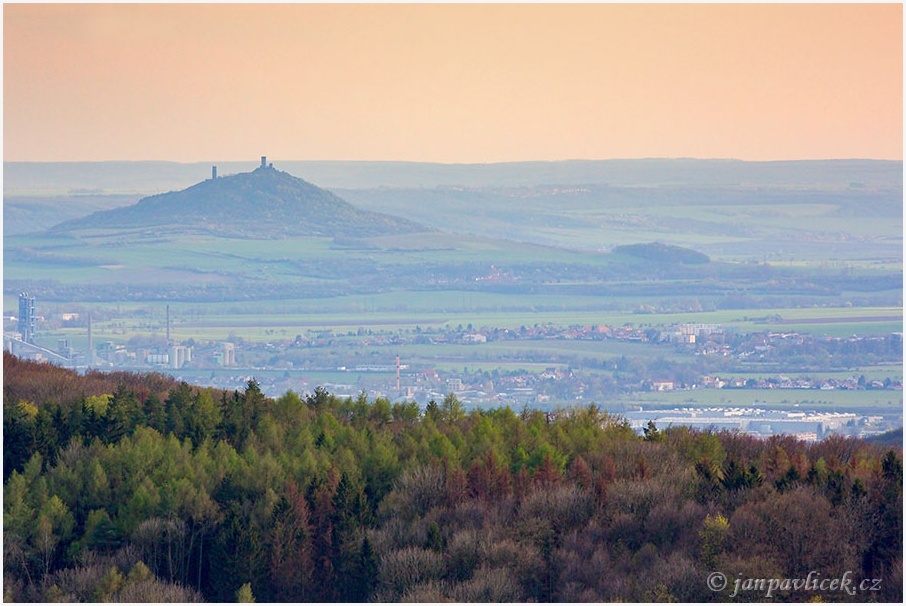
(291, 563)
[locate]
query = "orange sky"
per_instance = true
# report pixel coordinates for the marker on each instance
(451, 83)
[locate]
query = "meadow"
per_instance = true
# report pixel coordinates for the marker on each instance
(407, 311)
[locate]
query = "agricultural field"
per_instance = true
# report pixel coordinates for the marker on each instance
(405, 311)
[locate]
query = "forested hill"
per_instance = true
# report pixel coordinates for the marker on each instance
(656, 252)
(124, 488)
(265, 202)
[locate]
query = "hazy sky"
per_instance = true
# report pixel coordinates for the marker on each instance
(451, 83)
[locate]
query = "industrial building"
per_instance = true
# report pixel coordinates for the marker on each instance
(27, 318)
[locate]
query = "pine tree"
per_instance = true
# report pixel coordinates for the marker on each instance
(291, 561)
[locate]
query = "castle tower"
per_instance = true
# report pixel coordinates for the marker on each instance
(263, 161)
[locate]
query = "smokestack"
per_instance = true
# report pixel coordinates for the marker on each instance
(213, 172)
(168, 323)
(397, 375)
(90, 343)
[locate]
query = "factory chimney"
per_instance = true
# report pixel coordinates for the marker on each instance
(90, 343)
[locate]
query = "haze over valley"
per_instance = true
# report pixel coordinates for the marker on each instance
(680, 264)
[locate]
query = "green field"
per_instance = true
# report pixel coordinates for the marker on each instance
(406, 311)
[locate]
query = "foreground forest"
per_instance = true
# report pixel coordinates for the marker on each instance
(134, 487)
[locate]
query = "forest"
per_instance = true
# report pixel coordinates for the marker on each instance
(134, 487)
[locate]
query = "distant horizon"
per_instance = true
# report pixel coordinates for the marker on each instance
(156, 175)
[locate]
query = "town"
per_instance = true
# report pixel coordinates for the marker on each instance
(427, 363)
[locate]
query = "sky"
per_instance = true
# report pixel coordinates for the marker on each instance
(453, 83)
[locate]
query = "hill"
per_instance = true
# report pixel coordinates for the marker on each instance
(729, 210)
(263, 203)
(657, 252)
(785, 231)
(888, 438)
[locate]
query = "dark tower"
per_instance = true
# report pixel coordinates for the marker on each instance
(90, 343)
(27, 320)
(263, 161)
(213, 172)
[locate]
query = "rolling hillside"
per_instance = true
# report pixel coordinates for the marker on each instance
(265, 234)
(264, 203)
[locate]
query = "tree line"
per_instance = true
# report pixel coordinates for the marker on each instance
(136, 487)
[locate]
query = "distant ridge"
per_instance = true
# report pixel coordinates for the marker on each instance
(893, 437)
(148, 177)
(263, 203)
(659, 252)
